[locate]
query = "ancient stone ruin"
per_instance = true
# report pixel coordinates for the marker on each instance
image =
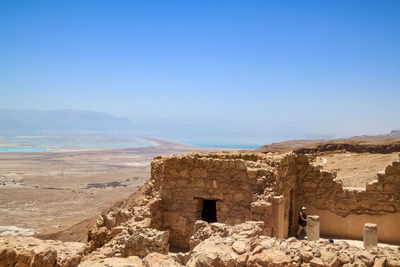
(236, 209)
(234, 188)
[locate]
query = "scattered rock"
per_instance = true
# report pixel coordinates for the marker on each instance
(29, 251)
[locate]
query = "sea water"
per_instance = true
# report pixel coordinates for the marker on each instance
(32, 149)
(68, 143)
(23, 149)
(33, 144)
(224, 145)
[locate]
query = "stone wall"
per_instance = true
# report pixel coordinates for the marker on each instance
(382, 196)
(355, 146)
(343, 211)
(269, 188)
(242, 185)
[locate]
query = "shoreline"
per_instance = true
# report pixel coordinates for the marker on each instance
(50, 192)
(153, 143)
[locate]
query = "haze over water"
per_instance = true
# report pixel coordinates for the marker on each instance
(211, 73)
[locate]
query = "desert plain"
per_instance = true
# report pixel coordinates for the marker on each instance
(105, 207)
(47, 193)
(59, 194)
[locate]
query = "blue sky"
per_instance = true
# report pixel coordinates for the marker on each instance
(283, 69)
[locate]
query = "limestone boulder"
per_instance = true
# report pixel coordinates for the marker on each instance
(136, 241)
(132, 261)
(270, 257)
(214, 251)
(161, 260)
(29, 251)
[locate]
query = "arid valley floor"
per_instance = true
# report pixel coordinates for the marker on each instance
(48, 192)
(133, 207)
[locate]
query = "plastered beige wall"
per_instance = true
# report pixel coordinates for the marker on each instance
(351, 226)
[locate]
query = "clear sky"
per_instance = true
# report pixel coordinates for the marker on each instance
(293, 68)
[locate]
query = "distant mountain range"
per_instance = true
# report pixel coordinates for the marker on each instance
(301, 144)
(28, 122)
(392, 134)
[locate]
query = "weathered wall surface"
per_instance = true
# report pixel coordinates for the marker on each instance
(382, 196)
(291, 169)
(343, 212)
(242, 184)
(356, 146)
(259, 187)
(246, 186)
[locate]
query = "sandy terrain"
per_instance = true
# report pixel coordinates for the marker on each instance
(355, 169)
(49, 192)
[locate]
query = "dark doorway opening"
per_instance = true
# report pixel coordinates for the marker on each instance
(209, 211)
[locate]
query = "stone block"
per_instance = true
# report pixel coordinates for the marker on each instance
(312, 228)
(370, 235)
(240, 164)
(316, 262)
(278, 215)
(252, 173)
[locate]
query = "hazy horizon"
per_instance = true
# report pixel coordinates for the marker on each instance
(217, 72)
(94, 129)
(67, 124)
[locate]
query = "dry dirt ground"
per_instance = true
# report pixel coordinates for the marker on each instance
(355, 169)
(50, 192)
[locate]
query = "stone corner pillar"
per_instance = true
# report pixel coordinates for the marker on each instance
(312, 227)
(370, 235)
(278, 215)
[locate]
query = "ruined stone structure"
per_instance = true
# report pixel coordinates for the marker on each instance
(343, 213)
(227, 188)
(236, 187)
(232, 209)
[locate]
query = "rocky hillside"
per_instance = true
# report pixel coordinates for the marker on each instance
(388, 146)
(384, 143)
